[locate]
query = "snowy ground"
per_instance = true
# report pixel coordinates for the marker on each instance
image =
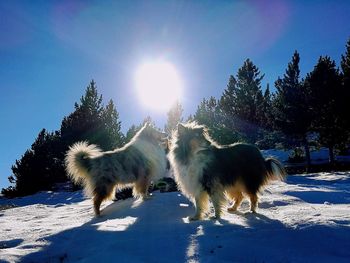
(305, 219)
(320, 156)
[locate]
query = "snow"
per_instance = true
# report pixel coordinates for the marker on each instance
(305, 219)
(278, 154)
(318, 156)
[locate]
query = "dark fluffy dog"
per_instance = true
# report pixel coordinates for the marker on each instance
(204, 169)
(136, 164)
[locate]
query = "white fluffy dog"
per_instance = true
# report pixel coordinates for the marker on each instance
(136, 164)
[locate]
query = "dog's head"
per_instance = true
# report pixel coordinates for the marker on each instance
(150, 133)
(192, 136)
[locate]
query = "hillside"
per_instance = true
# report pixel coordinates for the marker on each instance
(305, 219)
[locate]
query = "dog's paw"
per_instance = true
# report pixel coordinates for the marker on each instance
(215, 217)
(232, 209)
(250, 212)
(194, 218)
(146, 197)
(98, 216)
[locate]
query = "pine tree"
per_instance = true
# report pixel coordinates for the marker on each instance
(42, 166)
(248, 92)
(325, 89)
(268, 136)
(228, 98)
(209, 113)
(190, 118)
(112, 126)
(131, 132)
(241, 100)
(290, 106)
(92, 122)
(84, 123)
(264, 115)
(37, 169)
(345, 67)
(174, 117)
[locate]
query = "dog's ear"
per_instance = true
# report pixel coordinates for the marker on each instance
(181, 128)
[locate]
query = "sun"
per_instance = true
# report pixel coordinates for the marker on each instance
(158, 85)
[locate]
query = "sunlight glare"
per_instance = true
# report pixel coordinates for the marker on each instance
(118, 224)
(158, 85)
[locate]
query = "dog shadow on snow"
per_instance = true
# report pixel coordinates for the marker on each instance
(159, 231)
(127, 231)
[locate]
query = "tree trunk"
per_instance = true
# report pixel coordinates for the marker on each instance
(307, 154)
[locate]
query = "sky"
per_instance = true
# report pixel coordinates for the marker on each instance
(51, 50)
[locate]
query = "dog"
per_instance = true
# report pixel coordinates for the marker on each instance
(206, 170)
(136, 164)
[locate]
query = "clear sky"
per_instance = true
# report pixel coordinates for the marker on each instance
(50, 50)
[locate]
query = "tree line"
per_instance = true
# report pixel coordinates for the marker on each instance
(301, 110)
(42, 166)
(314, 108)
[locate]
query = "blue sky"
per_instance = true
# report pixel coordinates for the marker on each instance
(50, 50)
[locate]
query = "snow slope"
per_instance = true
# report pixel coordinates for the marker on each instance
(305, 219)
(318, 156)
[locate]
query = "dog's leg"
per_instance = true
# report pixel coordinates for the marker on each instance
(101, 192)
(142, 184)
(237, 197)
(97, 203)
(253, 202)
(218, 199)
(201, 203)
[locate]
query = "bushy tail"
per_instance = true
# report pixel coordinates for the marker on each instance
(275, 169)
(78, 162)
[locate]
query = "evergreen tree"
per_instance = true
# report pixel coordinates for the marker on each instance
(228, 98)
(268, 136)
(241, 100)
(264, 116)
(131, 132)
(37, 169)
(174, 117)
(112, 126)
(42, 166)
(190, 118)
(93, 122)
(86, 122)
(249, 94)
(209, 113)
(345, 67)
(290, 106)
(326, 94)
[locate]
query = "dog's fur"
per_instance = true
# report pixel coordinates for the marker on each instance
(203, 169)
(135, 164)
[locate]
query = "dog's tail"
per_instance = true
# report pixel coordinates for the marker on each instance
(78, 163)
(275, 169)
